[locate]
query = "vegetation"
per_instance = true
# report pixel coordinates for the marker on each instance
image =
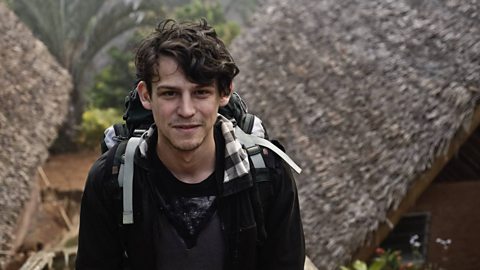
(215, 15)
(112, 84)
(385, 260)
(94, 123)
(392, 260)
(75, 31)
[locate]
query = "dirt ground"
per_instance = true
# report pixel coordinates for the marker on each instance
(56, 216)
(68, 171)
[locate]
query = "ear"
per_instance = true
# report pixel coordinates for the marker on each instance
(225, 98)
(144, 95)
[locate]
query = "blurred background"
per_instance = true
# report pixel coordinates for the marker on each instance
(96, 40)
(89, 74)
(377, 100)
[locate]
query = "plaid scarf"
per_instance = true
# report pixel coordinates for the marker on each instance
(236, 157)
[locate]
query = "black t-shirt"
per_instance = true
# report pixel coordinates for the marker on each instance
(189, 223)
(188, 207)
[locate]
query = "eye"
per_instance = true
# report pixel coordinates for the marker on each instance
(202, 93)
(167, 93)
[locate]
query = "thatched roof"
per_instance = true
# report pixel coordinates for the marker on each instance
(34, 96)
(365, 95)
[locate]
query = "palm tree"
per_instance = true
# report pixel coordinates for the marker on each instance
(75, 31)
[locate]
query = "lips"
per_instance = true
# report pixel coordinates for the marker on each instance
(186, 127)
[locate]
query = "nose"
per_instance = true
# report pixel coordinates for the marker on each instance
(186, 108)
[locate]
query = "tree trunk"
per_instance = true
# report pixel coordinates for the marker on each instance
(67, 139)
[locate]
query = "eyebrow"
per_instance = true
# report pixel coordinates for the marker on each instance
(168, 87)
(173, 87)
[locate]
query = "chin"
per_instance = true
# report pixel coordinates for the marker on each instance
(187, 146)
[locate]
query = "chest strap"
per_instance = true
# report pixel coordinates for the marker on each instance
(250, 141)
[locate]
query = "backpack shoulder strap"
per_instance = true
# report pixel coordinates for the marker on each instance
(126, 152)
(121, 162)
(125, 178)
(261, 181)
(246, 123)
(114, 166)
(253, 150)
(250, 140)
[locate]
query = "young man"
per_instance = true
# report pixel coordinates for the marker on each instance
(195, 199)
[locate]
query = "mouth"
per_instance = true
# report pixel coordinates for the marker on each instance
(185, 127)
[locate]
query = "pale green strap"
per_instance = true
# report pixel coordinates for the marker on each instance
(127, 174)
(244, 137)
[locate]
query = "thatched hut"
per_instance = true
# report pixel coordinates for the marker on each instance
(34, 95)
(370, 97)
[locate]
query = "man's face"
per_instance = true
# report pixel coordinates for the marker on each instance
(184, 112)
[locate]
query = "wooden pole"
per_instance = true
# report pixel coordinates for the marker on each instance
(43, 176)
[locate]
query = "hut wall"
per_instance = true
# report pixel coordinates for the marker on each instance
(453, 207)
(365, 96)
(34, 90)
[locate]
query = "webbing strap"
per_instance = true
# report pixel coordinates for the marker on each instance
(247, 123)
(246, 138)
(251, 143)
(120, 175)
(127, 173)
(257, 160)
(253, 149)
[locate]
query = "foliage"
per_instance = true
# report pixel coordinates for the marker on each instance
(95, 121)
(112, 84)
(213, 12)
(75, 31)
(391, 260)
(385, 260)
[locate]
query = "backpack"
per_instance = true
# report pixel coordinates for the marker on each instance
(125, 138)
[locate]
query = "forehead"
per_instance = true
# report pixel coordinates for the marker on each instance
(168, 67)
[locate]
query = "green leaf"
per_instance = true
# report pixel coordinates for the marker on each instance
(344, 268)
(377, 264)
(359, 265)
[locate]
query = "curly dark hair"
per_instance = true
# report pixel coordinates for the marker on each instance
(201, 55)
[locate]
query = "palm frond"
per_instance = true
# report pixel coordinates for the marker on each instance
(120, 19)
(40, 17)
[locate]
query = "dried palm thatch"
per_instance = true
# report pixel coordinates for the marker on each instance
(34, 94)
(365, 95)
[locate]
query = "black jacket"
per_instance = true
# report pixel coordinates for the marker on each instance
(278, 243)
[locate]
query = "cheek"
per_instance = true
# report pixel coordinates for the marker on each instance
(210, 110)
(161, 112)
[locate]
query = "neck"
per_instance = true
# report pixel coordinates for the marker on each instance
(188, 166)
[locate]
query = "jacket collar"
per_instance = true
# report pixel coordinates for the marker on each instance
(236, 176)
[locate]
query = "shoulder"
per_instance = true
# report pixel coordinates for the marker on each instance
(272, 160)
(280, 165)
(99, 173)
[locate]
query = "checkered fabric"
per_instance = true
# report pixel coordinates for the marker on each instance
(236, 158)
